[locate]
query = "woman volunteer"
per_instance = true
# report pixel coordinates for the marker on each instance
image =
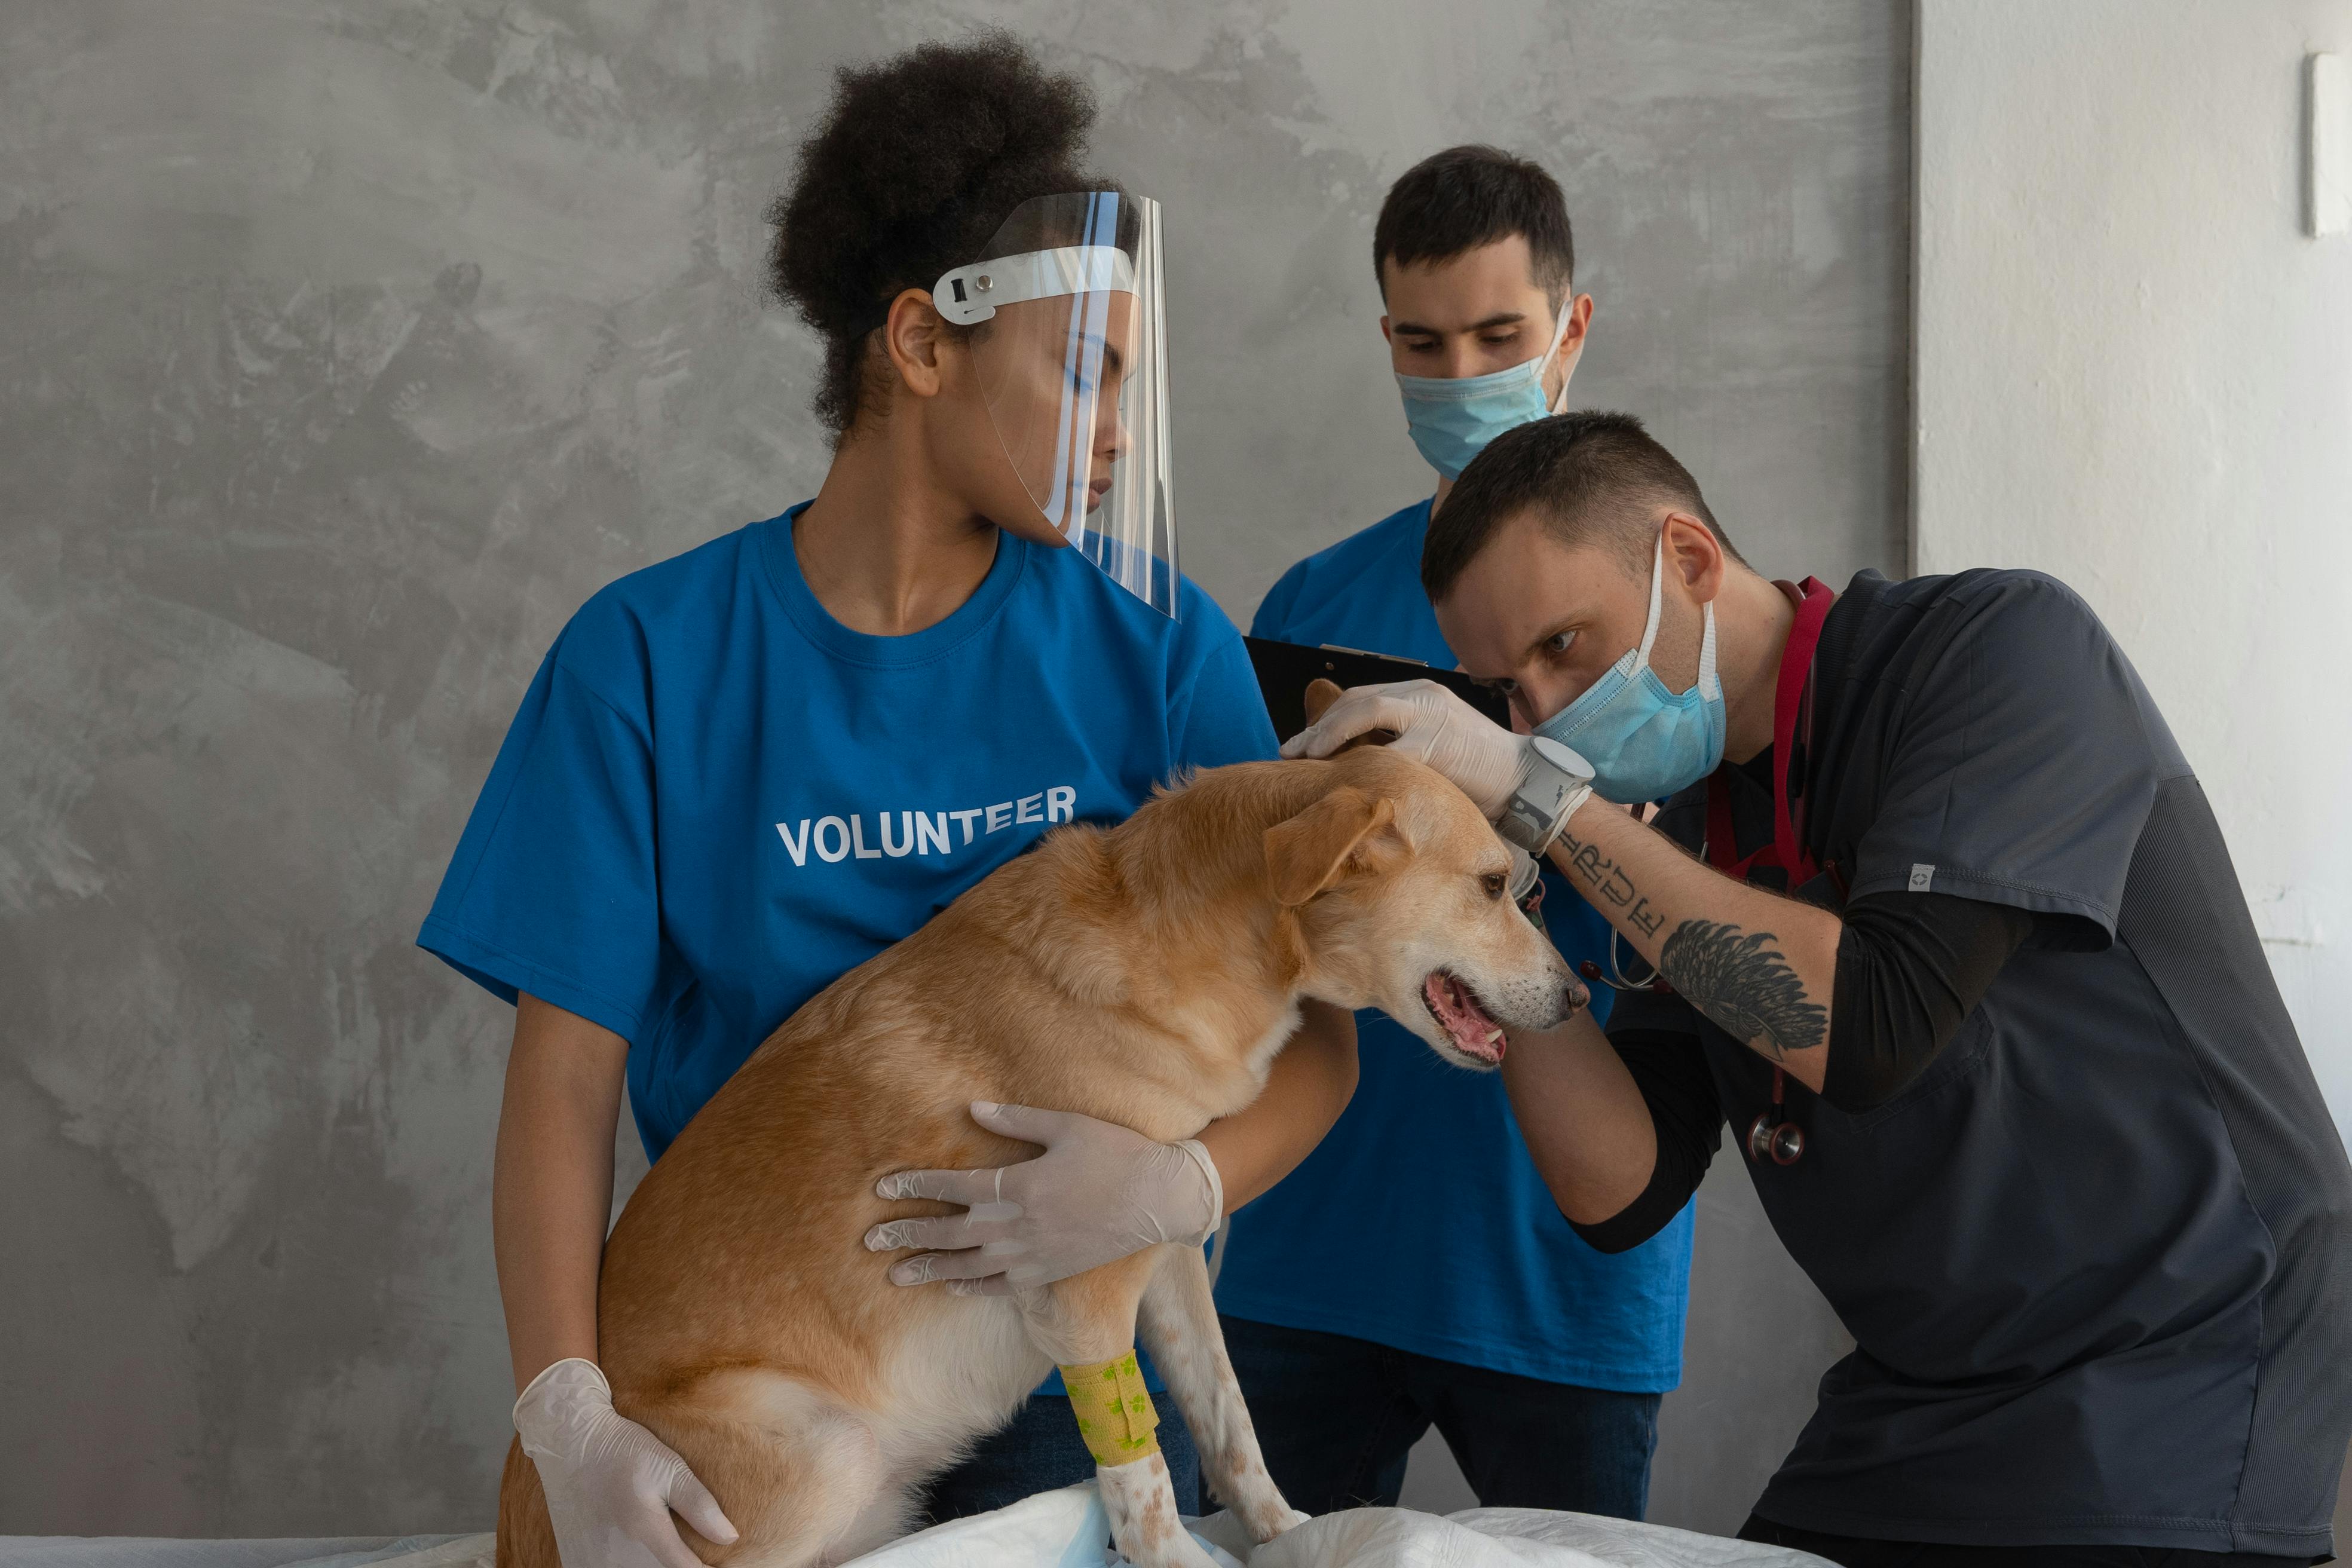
(744, 771)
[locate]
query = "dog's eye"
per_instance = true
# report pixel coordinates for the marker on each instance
(1496, 884)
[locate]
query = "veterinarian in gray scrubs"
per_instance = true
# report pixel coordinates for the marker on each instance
(1949, 937)
(742, 772)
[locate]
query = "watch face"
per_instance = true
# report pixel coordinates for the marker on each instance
(1561, 757)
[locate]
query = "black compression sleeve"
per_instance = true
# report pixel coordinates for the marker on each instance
(1671, 1072)
(1910, 967)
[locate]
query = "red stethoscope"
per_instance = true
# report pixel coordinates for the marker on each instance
(1771, 1136)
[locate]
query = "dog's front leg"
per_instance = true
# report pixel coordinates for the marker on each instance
(1180, 1329)
(1087, 1321)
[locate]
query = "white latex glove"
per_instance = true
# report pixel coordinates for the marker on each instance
(610, 1483)
(1486, 761)
(1099, 1192)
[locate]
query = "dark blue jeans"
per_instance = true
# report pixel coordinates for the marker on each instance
(1041, 1452)
(1335, 1417)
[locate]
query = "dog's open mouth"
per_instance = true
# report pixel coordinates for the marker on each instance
(1463, 1018)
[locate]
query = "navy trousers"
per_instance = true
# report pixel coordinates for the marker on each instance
(1335, 1417)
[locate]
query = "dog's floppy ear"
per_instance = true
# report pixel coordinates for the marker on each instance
(1321, 695)
(1307, 853)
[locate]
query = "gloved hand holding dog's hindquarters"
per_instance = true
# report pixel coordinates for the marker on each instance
(611, 1485)
(1486, 761)
(1099, 1191)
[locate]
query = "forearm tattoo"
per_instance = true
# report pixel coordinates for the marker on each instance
(1739, 980)
(1609, 883)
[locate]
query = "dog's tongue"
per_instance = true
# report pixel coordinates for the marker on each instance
(1472, 1032)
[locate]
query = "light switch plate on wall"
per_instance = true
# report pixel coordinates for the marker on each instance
(2327, 155)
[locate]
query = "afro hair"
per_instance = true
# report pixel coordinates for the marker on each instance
(918, 162)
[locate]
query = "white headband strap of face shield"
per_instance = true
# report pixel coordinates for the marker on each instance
(969, 294)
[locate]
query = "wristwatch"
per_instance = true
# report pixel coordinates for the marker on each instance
(1558, 782)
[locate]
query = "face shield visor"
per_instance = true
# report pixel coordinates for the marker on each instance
(1070, 351)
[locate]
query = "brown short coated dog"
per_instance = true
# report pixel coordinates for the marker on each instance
(1147, 975)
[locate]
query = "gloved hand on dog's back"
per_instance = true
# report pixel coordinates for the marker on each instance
(1099, 1191)
(611, 1484)
(1431, 725)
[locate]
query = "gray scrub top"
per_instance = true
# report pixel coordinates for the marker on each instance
(2097, 1257)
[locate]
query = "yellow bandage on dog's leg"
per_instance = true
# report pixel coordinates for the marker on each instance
(1114, 1409)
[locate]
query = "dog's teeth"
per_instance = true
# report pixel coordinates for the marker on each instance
(1495, 1038)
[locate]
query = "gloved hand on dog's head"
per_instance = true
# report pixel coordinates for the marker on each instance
(1431, 725)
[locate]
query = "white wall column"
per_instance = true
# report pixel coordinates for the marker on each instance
(2134, 371)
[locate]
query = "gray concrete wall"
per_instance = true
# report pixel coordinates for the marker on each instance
(347, 345)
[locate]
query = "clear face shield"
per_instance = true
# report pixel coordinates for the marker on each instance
(1071, 357)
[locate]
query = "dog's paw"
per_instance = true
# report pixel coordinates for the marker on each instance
(1265, 1523)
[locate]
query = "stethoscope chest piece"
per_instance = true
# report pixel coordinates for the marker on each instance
(1769, 1136)
(1782, 1142)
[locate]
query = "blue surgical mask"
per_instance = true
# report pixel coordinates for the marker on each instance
(1453, 418)
(1646, 743)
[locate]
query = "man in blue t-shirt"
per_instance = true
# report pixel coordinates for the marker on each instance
(1366, 1295)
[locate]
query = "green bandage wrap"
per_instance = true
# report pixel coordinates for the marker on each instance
(1114, 1409)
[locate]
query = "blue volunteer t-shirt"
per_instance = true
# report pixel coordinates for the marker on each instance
(715, 799)
(1419, 1222)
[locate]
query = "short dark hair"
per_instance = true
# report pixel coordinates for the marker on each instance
(1457, 199)
(1591, 477)
(918, 162)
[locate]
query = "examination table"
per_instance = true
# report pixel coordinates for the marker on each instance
(1064, 1529)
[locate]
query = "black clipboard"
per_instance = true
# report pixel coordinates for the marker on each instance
(1285, 669)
